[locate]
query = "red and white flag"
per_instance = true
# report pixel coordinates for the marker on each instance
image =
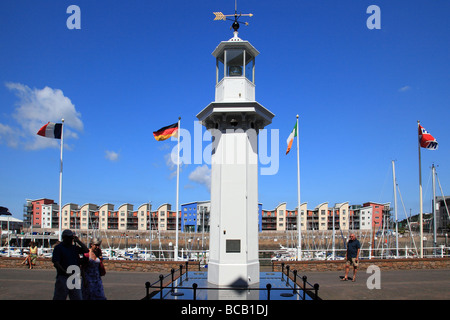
(426, 140)
(51, 130)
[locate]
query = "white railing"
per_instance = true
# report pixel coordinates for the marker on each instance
(266, 256)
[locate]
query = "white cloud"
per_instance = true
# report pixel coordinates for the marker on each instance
(36, 107)
(9, 135)
(111, 155)
(404, 89)
(202, 175)
(171, 162)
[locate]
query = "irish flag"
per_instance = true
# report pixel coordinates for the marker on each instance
(291, 137)
(51, 130)
(166, 132)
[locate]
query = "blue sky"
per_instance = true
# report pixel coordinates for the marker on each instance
(136, 66)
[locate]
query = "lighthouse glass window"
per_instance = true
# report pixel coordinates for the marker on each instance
(235, 63)
(249, 66)
(234, 59)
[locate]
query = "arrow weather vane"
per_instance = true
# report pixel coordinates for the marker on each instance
(235, 26)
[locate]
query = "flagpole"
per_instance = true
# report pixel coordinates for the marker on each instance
(433, 171)
(60, 180)
(178, 184)
(420, 196)
(299, 219)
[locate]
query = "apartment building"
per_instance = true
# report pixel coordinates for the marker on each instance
(36, 210)
(49, 213)
(194, 216)
(373, 214)
(442, 213)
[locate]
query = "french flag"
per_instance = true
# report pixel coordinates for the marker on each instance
(51, 130)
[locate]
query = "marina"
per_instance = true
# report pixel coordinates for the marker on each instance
(273, 246)
(384, 241)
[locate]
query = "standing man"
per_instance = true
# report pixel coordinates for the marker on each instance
(352, 257)
(66, 259)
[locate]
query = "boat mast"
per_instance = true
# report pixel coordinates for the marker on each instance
(333, 237)
(395, 207)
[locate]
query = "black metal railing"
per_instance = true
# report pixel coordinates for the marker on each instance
(302, 288)
(311, 289)
(160, 283)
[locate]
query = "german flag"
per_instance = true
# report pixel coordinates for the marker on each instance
(166, 132)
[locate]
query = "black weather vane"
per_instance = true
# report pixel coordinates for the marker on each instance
(235, 17)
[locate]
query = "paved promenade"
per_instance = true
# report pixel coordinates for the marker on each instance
(35, 284)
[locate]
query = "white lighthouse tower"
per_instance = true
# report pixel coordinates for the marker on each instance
(234, 120)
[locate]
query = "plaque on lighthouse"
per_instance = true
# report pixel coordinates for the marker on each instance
(234, 119)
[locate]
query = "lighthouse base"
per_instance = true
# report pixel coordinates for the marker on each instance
(233, 275)
(194, 285)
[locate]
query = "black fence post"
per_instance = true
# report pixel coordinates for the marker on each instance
(316, 291)
(268, 286)
(161, 278)
(295, 281)
(172, 272)
(147, 290)
(194, 287)
(304, 278)
(287, 275)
